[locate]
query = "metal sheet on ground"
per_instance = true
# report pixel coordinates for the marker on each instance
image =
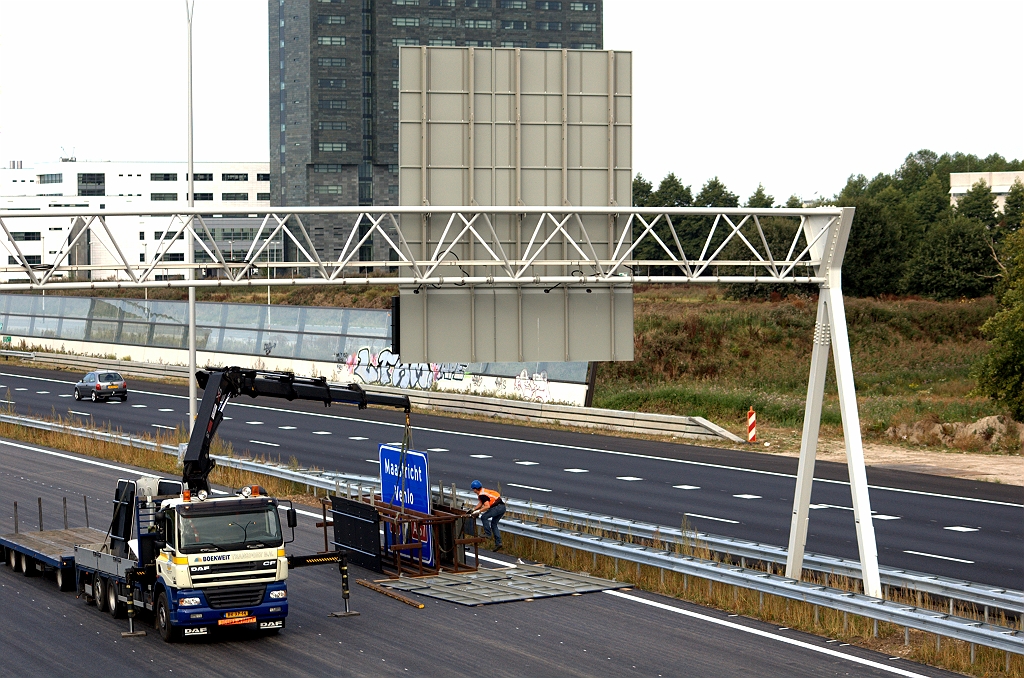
(506, 585)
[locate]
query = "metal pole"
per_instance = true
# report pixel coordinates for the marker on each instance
(190, 253)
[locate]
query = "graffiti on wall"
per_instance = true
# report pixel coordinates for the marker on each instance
(387, 369)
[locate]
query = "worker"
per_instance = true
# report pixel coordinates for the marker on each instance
(490, 507)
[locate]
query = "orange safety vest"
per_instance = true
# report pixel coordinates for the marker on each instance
(492, 497)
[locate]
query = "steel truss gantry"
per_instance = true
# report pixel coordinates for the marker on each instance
(456, 246)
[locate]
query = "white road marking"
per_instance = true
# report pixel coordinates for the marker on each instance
(437, 449)
(62, 395)
(254, 423)
(166, 409)
(480, 456)
(527, 463)
(874, 515)
(884, 517)
(576, 470)
(260, 442)
(287, 428)
(373, 461)
(169, 428)
(628, 478)
(766, 634)
(687, 487)
(357, 438)
(81, 460)
(225, 418)
(547, 444)
(21, 389)
(721, 520)
(138, 405)
(932, 555)
(747, 496)
(961, 528)
(84, 414)
(321, 433)
(528, 487)
(43, 392)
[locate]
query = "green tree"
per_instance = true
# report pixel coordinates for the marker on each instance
(715, 194)
(671, 193)
(876, 252)
(759, 199)
(1013, 210)
(794, 202)
(979, 204)
(641, 190)
(930, 203)
(953, 261)
(1000, 373)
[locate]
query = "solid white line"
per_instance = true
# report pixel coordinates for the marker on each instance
(527, 487)
(553, 445)
(170, 428)
(260, 442)
(932, 555)
(91, 462)
(84, 414)
(721, 520)
(766, 634)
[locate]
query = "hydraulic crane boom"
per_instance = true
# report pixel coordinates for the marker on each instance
(220, 384)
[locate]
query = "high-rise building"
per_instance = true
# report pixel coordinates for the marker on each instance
(334, 87)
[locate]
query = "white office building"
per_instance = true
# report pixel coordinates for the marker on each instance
(999, 182)
(127, 187)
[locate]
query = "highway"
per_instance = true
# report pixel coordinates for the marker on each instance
(957, 528)
(625, 633)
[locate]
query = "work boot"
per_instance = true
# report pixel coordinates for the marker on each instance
(497, 548)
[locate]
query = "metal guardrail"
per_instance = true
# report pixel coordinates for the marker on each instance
(930, 621)
(26, 355)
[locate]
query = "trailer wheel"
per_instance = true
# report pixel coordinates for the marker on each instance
(28, 566)
(99, 592)
(169, 633)
(115, 607)
(12, 559)
(65, 579)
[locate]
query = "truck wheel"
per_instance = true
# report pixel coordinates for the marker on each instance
(115, 607)
(162, 620)
(12, 559)
(65, 579)
(99, 592)
(28, 566)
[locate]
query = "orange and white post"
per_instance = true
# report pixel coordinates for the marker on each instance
(751, 426)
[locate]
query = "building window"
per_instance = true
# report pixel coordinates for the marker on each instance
(478, 23)
(549, 25)
(332, 147)
(158, 197)
(583, 6)
(549, 45)
(51, 178)
(514, 25)
(173, 256)
(328, 190)
(163, 177)
(441, 23)
(405, 2)
(587, 28)
(263, 196)
(159, 235)
(513, 43)
(332, 19)
(328, 168)
(392, 169)
(330, 62)
(442, 3)
(393, 147)
(142, 235)
(333, 124)
(478, 43)
(392, 190)
(479, 4)
(205, 176)
(332, 83)
(405, 42)
(235, 177)
(334, 40)
(440, 43)
(394, 83)
(333, 104)
(263, 177)
(32, 259)
(406, 21)
(142, 257)
(553, 6)
(584, 45)
(24, 236)
(234, 196)
(513, 4)
(203, 196)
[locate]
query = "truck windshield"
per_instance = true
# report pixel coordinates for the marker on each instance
(229, 531)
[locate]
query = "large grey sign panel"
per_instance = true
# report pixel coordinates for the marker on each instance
(509, 127)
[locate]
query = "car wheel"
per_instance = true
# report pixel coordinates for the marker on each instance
(115, 607)
(94, 398)
(78, 394)
(163, 620)
(124, 398)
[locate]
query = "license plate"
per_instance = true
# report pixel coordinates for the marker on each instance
(112, 386)
(232, 615)
(240, 620)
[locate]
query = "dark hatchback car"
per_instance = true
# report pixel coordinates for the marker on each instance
(102, 385)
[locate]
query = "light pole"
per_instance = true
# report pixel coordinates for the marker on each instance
(190, 253)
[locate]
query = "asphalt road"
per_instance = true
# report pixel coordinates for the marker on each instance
(964, 529)
(51, 633)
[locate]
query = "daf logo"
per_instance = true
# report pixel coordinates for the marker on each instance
(199, 568)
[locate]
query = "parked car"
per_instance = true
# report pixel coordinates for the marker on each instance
(102, 385)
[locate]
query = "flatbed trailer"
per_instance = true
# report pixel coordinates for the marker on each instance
(33, 553)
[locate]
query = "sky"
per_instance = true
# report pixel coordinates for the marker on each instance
(794, 95)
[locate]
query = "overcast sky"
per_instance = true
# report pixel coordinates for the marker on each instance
(797, 95)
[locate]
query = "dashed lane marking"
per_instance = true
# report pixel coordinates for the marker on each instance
(576, 470)
(43, 392)
(628, 478)
(357, 438)
(527, 463)
(528, 487)
(21, 389)
(747, 496)
(287, 428)
(261, 442)
(932, 555)
(961, 528)
(254, 423)
(138, 405)
(721, 520)
(687, 487)
(480, 456)
(321, 433)
(62, 395)
(437, 449)
(166, 409)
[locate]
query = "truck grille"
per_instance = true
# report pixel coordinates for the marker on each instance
(235, 596)
(224, 567)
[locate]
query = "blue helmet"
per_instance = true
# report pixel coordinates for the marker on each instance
(476, 485)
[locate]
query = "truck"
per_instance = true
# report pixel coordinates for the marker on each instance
(197, 561)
